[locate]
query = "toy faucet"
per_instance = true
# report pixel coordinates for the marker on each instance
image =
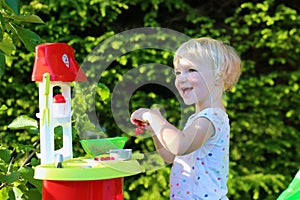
(54, 69)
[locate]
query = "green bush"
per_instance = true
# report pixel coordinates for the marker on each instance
(263, 107)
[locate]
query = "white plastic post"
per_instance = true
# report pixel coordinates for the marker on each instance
(63, 119)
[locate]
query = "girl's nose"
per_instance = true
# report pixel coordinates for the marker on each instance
(182, 77)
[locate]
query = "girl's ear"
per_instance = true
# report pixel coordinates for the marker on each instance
(219, 81)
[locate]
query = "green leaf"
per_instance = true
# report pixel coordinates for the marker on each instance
(4, 193)
(23, 122)
(34, 194)
(103, 91)
(18, 193)
(2, 177)
(2, 22)
(3, 168)
(14, 5)
(6, 45)
(12, 177)
(2, 26)
(1, 33)
(29, 38)
(24, 147)
(2, 64)
(27, 173)
(5, 155)
(28, 18)
(3, 107)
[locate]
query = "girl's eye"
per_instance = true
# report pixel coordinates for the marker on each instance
(192, 70)
(177, 72)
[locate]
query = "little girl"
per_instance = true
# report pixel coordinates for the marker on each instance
(204, 69)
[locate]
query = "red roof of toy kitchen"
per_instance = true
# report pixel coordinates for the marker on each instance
(58, 60)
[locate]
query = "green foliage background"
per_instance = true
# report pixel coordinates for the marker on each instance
(263, 107)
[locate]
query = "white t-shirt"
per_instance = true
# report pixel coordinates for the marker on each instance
(203, 174)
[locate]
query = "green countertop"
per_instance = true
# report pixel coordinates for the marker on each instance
(88, 169)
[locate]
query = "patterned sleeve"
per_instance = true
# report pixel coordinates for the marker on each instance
(220, 121)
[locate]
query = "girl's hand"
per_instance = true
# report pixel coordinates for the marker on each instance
(138, 115)
(141, 123)
(137, 119)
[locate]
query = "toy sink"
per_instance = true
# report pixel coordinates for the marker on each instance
(96, 147)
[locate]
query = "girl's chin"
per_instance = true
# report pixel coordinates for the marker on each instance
(188, 102)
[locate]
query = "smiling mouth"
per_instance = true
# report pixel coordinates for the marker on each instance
(186, 90)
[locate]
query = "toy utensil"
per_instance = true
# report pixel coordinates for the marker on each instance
(46, 112)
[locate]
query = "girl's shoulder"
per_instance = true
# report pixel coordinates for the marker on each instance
(215, 115)
(212, 114)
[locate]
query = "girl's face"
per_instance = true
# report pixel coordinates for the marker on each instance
(194, 82)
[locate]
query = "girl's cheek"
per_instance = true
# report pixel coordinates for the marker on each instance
(177, 87)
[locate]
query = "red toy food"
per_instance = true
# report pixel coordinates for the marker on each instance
(58, 98)
(104, 158)
(140, 127)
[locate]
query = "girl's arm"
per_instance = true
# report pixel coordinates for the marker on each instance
(163, 152)
(170, 139)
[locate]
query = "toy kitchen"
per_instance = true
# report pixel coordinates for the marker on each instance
(98, 175)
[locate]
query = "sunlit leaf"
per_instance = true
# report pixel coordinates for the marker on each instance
(6, 45)
(3, 107)
(103, 91)
(23, 122)
(18, 193)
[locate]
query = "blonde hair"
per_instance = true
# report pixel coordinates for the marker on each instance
(225, 60)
